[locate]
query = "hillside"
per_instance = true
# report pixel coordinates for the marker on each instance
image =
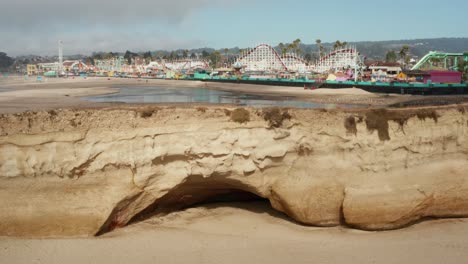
(374, 50)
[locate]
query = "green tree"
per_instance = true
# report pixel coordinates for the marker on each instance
(296, 46)
(5, 61)
(404, 54)
(340, 45)
(128, 56)
(283, 48)
(321, 49)
(108, 56)
(173, 55)
(97, 56)
(215, 58)
(337, 45)
(89, 60)
(205, 54)
(391, 56)
(148, 56)
(290, 47)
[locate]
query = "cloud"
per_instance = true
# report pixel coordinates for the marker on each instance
(34, 26)
(90, 41)
(31, 14)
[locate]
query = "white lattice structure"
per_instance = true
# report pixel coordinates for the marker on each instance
(262, 58)
(266, 59)
(155, 65)
(178, 65)
(337, 60)
(295, 63)
(186, 65)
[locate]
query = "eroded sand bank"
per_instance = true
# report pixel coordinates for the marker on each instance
(88, 172)
(124, 171)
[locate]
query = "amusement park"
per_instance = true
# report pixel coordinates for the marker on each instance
(342, 65)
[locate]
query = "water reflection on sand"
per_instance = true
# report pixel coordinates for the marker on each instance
(201, 95)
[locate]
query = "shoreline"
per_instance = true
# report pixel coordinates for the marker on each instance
(68, 93)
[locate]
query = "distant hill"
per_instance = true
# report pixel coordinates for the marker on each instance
(373, 50)
(376, 50)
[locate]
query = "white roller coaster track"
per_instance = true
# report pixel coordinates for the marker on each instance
(265, 58)
(179, 65)
(336, 60)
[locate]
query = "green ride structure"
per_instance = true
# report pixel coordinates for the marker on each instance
(450, 60)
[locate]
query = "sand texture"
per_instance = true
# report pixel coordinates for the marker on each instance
(246, 233)
(89, 172)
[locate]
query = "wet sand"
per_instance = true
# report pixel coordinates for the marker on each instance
(65, 93)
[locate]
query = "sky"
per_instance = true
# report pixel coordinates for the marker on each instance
(84, 26)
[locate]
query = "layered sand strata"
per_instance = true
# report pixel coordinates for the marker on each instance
(87, 172)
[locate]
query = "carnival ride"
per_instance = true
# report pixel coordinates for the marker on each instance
(265, 58)
(339, 60)
(110, 65)
(182, 65)
(262, 58)
(186, 65)
(450, 60)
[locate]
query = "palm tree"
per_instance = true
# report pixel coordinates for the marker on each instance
(319, 47)
(340, 45)
(337, 45)
(297, 46)
(291, 47)
(226, 58)
(404, 53)
(282, 48)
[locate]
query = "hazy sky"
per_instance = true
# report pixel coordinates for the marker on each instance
(35, 26)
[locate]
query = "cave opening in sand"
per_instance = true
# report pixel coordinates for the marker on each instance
(207, 193)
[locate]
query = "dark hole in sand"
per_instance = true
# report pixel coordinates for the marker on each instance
(197, 191)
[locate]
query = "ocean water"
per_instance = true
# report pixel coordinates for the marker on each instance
(141, 95)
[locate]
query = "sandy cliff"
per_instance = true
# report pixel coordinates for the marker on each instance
(87, 172)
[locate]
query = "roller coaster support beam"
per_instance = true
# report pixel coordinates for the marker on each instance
(437, 55)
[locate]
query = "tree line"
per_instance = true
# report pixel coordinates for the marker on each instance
(5, 61)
